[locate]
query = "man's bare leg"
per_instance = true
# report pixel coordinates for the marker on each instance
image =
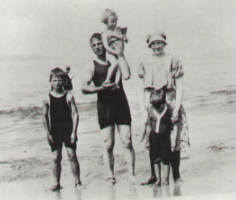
(75, 168)
(108, 157)
(125, 135)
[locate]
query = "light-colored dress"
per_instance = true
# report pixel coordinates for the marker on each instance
(158, 72)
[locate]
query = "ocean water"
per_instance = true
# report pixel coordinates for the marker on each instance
(209, 87)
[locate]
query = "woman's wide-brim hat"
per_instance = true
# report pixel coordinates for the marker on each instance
(156, 37)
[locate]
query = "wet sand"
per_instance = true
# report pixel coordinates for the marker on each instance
(209, 173)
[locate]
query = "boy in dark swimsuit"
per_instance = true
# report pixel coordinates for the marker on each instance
(158, 130)
(60, 117)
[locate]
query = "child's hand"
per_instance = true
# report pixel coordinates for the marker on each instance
(73, 138)
(49, 138)
(147, 144)
(175, 116)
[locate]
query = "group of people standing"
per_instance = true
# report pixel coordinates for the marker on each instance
(165, 127)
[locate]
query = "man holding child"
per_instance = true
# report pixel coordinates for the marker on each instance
(112, 106)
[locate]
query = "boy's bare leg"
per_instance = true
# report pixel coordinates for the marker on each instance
(125, 134)
(108, 157)
(166, 173)
(74, 165)
(157, 171)
(57, 157)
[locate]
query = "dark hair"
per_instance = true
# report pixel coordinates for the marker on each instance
(170, 92)
(58, 72)
(95, 35)
(158, 95)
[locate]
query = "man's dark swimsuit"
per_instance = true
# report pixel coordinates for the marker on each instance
(61, 122)
(112, 105)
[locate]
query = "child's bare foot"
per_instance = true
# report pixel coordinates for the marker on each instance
(178, 180)
(132, 179)
(56, 187)
(158, 183)
(111, 180)
(165, 182)
(78, 183)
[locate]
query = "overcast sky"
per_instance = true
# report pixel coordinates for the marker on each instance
(61, 28)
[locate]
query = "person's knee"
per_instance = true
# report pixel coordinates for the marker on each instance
(72, 157)
(108, 144)
(128, 144)
(57, 159)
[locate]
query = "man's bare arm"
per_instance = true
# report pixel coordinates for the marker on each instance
(87, 87)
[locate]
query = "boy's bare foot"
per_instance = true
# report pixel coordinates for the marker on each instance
(78, 184)
(165, 182)
(111, 180)
(56, 187)
(178, 180)
(158, 183)
(132, 179)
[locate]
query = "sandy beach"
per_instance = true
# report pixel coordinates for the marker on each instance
(209, 173)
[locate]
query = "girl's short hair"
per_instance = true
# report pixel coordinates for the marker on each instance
(107, 13)
(57, 72)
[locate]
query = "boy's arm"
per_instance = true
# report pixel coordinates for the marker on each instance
(74, 115)
(46, 120)
(147, 131)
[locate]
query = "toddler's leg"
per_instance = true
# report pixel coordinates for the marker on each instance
(110, 72)
(118, 77)
(124, 66)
